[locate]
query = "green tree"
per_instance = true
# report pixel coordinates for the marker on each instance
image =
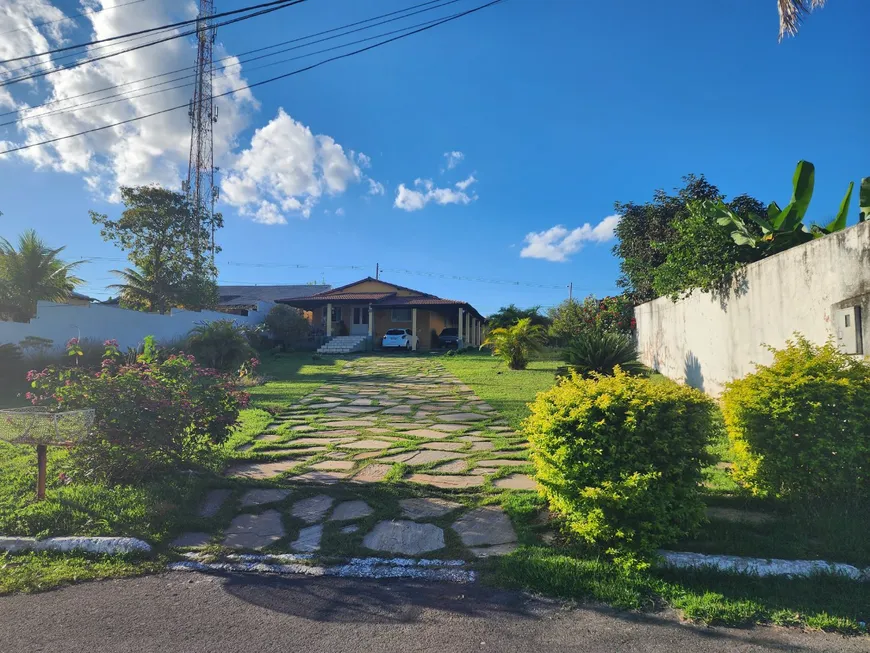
(703, 254)
(651, 233)
(168, 246)
(30, 273)
(287, 324)
(509, 315)
(646, 233)
(572, 318)
(517, 343)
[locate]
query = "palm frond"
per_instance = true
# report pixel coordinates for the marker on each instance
(792, 13)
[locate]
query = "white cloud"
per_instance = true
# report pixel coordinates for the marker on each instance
(153, 150)
(454, 158)
(375, 187)
(339, 211)
(287, 168)
(412, 199)
(465, 183)
(558, 243)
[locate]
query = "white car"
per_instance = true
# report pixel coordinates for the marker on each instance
(399, 339)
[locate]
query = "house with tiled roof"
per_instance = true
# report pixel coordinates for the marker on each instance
(241, 300)
(366, 309)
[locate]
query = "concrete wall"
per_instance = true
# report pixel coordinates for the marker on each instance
(706, 341)
(60, 322)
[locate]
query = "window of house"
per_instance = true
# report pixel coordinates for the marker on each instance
(336, 313)
(401, 315)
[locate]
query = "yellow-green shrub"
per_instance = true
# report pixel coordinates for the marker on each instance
(620, 458)
(800, 427)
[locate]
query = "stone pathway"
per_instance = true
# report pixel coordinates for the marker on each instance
(381, 420)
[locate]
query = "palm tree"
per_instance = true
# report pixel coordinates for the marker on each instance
(31, 273)
(792, 12)
(515, 344)
(142, 292)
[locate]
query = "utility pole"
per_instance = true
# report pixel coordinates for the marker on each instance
(199, 186)
(377, 270)
(571, 292)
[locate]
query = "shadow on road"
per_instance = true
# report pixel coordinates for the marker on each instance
(402, 601)
(383, 601)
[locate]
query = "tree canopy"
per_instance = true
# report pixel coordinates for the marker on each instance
(665, 249)
(30, 273)
(509, 315)
(168, 246)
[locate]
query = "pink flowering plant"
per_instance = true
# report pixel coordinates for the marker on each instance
(151, 417)
(249, 367)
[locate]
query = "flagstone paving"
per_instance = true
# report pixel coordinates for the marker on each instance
(249, 531)
(262, 497)
(405, 537)
(427, 507)
(383, 428)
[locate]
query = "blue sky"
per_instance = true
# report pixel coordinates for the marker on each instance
(558, 109)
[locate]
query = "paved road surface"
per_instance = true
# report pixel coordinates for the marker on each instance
(193, 613)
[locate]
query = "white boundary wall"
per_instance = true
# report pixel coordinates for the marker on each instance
(706, 342)
(60, 322)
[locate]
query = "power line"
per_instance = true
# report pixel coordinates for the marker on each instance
(305, 266)
(178, 35)
(76, 16)
(240, 54)
(90, 52)
(126, 96)
(274, 3)
(260, 83)
(456, 277)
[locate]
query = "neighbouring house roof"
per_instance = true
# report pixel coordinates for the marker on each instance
(249, 295)
(345, 295)
(78, 295)
(356, 283)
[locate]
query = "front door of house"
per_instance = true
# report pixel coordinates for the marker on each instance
(360, 323)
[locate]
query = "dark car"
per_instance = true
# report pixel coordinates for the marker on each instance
(449, 338)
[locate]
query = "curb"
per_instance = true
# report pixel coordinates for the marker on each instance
(453, 571)
(762, 566)
(109, 545)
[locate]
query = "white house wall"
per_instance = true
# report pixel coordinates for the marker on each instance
(706, 342)
(60, 322)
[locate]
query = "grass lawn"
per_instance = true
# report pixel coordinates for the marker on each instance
(155, 511)
(568, 571)
(508, 391)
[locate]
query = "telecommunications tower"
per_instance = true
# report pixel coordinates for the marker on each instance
(199, 186)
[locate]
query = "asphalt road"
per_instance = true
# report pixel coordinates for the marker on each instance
(183, 613)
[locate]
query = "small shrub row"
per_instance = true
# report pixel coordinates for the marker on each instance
(620, 459)
(800, 427)
(152, 416)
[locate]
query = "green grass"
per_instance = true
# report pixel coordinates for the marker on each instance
(508, 391)
(153, 511)
(822, 602)
(38, 572)
(291, 377)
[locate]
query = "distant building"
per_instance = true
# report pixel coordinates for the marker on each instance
(77, 299)
(239, 300)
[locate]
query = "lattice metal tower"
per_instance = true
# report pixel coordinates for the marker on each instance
(200, 187)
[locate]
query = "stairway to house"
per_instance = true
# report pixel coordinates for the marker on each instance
(343, 345)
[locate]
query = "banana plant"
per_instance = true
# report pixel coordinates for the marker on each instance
(783, 228)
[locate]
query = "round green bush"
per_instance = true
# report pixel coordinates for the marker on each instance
(620, 458)
(800, 427)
